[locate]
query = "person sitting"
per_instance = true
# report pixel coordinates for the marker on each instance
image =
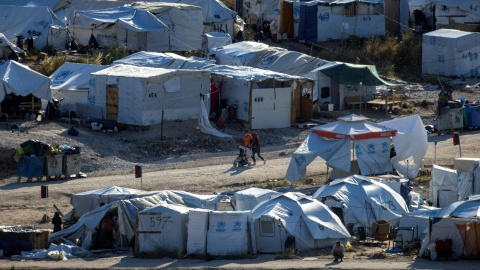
(338, 251)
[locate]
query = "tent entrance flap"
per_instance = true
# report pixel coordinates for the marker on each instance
(112, 102)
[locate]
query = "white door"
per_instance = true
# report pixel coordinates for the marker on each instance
(271, 107)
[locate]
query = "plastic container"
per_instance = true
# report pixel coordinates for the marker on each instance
(330, 107)
(54, 165)
(71, 164)
(30, 167)
(473, 116)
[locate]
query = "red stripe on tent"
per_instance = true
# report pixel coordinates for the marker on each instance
(371, 135)
(331, 135)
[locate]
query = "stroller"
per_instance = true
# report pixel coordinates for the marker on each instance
(241, 160)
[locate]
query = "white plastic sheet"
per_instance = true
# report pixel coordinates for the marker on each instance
(205, 126)
(465, 184)
(410, 144)
(444, 184)
(197, 231)
(227, 233)
(247, 199)
(373, 155)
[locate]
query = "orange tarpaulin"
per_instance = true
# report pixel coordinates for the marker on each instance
(286, 20)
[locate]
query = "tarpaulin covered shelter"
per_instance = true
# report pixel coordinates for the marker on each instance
(162, 227)
(147, 96)
(337, 80)
(134, 29)
(217, 17)
(419, 220)
(248, 198)
(310, 222)
(185, 23)
(7, 47)
(359, 201)
(20, 80)
(451, 52)
(237, 54)
(88, 228)
(458, 222)
(38, 22)
(71, 82)
(462, 15)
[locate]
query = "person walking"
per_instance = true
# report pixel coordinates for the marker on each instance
(338, 251)
(57, 222)
(256, 148)
(247, 142)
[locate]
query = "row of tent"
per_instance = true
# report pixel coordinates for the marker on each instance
(261, 222)
(152, 26)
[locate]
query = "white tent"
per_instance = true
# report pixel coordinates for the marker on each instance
(147, 96)
(361, 201)
(185, 23)
(165, 60)
(444, 186)
(22, 81)
(213, 40)
(217, 17)
(134, 29)
(451, 52)
(162, 228)
(7, 47)
(293, 214)
(459, 222)
(89, 228)
(87, 201)
(228, 233)
(70, 82)
(248, 198)
(38, 23)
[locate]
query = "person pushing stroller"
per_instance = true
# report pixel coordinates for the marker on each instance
(255, 144)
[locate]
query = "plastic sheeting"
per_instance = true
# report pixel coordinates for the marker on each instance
(364, 200)
(311, 223)
(162, 227)
(335, 152)
(410, 143)
(206, 127)
(461, 209)
(444, 186)
(247, 199)
(214, 40)
(197, 231)
(228, 233)
(414, 219)
(22, 81)
(6, 47)
(37, 22)
(307, 29)
(237, 54)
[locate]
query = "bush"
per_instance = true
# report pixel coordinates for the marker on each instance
(50, 64)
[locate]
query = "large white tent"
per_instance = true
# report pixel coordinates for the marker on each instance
(134, 29)
(362, 200)
(444, 186)
(248, 198)
(185, 23)
(71, 83)
(310, 222)
(20, 80)
(162, 227)
(88, 227)
(372, 142)
(147, 96)
(39, 23)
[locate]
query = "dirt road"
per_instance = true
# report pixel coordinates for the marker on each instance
(203, 174)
